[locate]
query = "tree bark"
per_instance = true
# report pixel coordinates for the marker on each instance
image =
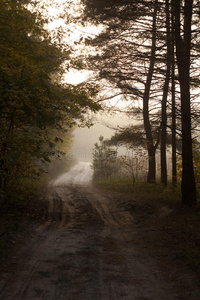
(174, 168)
(151, 148)
(173, 90)
(164, 100)
(183, 46)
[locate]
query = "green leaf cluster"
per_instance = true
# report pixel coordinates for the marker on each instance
(104, 160)
(34, 104)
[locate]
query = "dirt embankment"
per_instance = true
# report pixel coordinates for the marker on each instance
(100, 245)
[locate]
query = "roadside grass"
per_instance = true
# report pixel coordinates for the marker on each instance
(142, 189)
(183, 223)
(187, 228)
(23, 198)
(115, 184)
(20, 203)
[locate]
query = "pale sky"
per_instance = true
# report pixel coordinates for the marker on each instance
(73, 33)
(84, 138)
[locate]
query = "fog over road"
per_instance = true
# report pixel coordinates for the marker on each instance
(90, 249)
(80, 174)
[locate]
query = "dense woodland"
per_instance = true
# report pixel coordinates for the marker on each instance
(37, 110)
(147, 52)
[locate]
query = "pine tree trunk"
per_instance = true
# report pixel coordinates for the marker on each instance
(183, 45)
(174, 168)
(147, 126)
(164, 101)
(151, 164)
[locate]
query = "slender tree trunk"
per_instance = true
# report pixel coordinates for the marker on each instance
(151, 177)
(147, 126)
(183, 46)
(164, 100)
(174, 168)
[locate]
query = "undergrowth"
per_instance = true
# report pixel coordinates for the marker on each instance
(184, 222)
(18, 203)
(21, 198)
(140, 189)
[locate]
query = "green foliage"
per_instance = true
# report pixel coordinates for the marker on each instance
(196, 162)
(36, 109)
(146, 191)
(134, 162)
(130, 135)
(112, 11)
(104, 160)
(122, 184)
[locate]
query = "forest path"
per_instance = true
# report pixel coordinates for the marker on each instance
(95, 246)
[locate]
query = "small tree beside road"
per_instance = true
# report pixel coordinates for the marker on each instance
(134, 162)
(104, 160)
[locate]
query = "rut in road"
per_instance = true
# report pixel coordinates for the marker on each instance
(87, 250)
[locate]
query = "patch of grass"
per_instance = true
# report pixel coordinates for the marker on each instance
(9, 224)
(22, 199)
(142, 190)
(115, 184)
(19, 201)
(183, 223)
(158, 192)
(187, 228)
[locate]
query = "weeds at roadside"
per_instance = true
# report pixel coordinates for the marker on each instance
(143, 190)
(19, 202)
(183, 223)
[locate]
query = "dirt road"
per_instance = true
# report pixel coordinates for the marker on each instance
(92, 248)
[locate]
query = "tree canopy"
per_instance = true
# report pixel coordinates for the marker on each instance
(135, 53)
(34, 104)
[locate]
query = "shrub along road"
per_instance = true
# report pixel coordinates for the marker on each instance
(99, 245)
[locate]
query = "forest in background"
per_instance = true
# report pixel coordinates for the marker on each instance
(38, 110)
(145, 53)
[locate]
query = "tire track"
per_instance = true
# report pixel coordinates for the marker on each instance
(89, 249)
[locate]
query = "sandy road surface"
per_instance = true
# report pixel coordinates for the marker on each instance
(90, 249)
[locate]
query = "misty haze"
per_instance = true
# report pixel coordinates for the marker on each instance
(105, 124)
(109, 212)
